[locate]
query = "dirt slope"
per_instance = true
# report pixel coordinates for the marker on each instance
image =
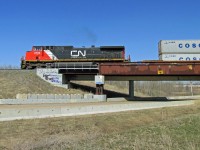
(13, 82)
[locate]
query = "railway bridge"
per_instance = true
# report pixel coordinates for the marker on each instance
(134, 71)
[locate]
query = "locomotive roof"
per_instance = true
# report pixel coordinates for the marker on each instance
(103, 47)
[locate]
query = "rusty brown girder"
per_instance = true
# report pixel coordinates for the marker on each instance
(151, 68)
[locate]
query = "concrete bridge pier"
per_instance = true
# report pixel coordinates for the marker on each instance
(99, 81)
(131, 88)
(99, 89)
(66, 81)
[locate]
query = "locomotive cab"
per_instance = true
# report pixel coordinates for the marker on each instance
(36, 54)
(33, 57)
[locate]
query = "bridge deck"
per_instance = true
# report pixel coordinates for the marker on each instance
(151, 68)
(141, 71)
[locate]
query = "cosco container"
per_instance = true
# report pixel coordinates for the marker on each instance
(179, 47)
(179, 57)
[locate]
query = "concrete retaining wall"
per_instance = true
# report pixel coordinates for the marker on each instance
(50, 75)
(53, 98)
(14, 112)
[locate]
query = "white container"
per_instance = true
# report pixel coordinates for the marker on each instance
(179, 57)
(179, 47)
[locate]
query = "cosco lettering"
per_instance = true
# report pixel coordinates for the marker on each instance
(187, 45)
(194, 45)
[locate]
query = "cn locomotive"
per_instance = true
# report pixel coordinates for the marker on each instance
(48, 56)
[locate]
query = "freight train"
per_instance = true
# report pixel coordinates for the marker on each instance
(49, 56)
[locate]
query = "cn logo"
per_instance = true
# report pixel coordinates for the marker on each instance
(77, 53)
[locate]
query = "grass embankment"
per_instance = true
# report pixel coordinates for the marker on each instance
(13, 82)
(166, 128)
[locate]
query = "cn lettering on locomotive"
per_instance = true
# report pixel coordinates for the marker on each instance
(78, 53)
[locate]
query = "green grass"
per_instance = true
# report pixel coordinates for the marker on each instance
(166, 128)
(179, 133)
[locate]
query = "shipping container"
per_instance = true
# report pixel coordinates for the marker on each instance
(179, 47)
(179, 57)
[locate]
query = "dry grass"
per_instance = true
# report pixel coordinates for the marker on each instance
(166, 128)
(13, 82)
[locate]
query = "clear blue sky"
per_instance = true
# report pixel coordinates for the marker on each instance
(136, 24)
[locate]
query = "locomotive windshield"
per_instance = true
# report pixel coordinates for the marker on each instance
(37, 48)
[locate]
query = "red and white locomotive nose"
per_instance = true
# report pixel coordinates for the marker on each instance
(39, 53)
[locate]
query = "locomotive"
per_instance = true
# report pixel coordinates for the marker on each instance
(49, 56)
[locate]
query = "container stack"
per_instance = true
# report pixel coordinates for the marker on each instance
(179, 50)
